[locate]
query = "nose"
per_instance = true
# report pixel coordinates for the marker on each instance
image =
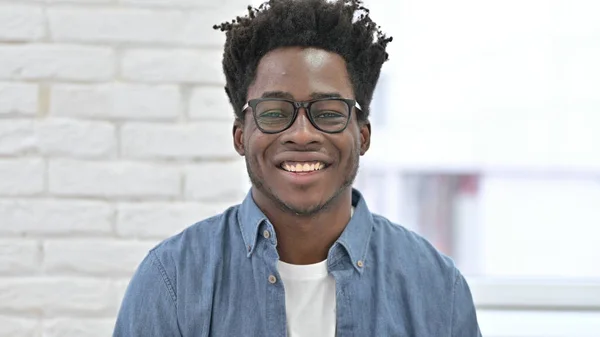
(302, 132)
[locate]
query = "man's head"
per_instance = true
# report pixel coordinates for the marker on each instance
(302, 50)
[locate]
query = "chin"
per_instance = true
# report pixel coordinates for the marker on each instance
(303, 209)
(306, 202)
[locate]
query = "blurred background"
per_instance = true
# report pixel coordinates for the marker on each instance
(115, 133)
(486, 127)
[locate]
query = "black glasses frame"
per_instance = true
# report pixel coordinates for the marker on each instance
(297, 105)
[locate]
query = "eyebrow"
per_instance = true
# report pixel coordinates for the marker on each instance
(287, 95)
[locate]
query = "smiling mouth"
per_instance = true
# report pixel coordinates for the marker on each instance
(303, 167)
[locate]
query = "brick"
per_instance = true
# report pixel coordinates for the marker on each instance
(51, 296)
(135, 25)
(94, 257)
(78, 327)
(199, 27)
(18, 98)
(181, 66)
(15, 326)
(116, 101)
(76, 138)
(16, 136)
(216, 181)
(199, 140)
(210, 103)
(21, 23)
(54, 217)
(22, 176)
(113, 179)
(156, 220)
(19, 257)
(56, 62)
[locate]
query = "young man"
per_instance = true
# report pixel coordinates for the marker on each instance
(302, 256)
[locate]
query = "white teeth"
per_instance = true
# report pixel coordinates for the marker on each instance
(305, 167)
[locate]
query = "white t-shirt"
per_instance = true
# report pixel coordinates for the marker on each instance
(309, 299)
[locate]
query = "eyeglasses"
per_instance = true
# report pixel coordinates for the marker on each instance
(274, 115)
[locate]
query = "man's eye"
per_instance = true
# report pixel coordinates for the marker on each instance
(272, 114)
(329, 114)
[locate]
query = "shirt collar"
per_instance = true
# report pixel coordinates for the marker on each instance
(354, 238)
(250, 217)
(357, 234)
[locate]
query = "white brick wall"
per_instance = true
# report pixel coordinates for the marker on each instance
(116, 101)
(47, 61)
(18, 98)
(115, 133)
(19, 23)
(163, 65)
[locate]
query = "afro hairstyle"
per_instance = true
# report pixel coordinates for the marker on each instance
(340, 26)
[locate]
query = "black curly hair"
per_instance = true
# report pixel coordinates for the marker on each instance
(343, 27)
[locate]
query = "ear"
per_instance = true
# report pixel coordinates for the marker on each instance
(238, 136)
(365, 136)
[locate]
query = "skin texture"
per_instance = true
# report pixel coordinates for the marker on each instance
(308, 212)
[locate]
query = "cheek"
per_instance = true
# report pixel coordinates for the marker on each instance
(250, 138)
(353, 144)
(257, 147)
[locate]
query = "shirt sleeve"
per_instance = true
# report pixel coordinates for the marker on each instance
(464, 316)
(149, 306)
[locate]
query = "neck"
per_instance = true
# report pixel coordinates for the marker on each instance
(307, 239)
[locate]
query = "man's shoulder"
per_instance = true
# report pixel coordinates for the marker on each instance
(409, 250)
(198, 239)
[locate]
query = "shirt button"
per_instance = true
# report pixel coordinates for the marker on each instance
(272, 279)
(267, 234)
(360, 264)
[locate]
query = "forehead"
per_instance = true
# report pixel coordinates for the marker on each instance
(301, 72)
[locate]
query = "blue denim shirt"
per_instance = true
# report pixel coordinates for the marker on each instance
(216, 279)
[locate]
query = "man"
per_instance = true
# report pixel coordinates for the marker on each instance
(302, 255)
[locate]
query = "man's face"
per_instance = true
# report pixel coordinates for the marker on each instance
(301, 74)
